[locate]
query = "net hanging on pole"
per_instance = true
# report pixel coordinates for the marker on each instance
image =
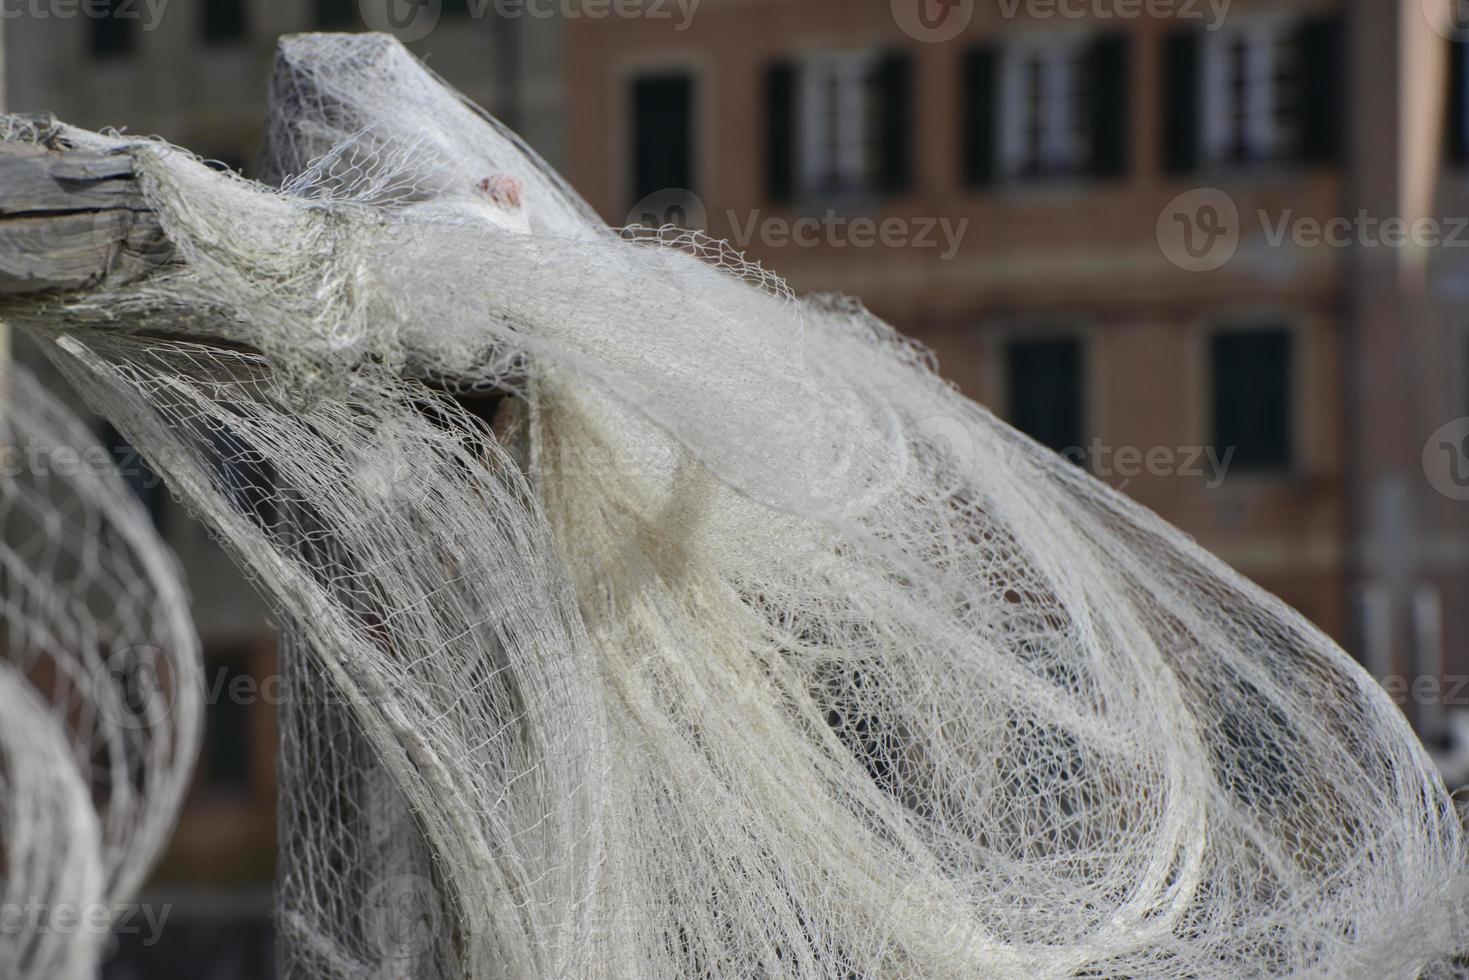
(741, 644)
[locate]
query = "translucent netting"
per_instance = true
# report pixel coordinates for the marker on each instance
(736, 643)
(99, 689)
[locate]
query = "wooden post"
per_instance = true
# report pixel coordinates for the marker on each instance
(70, 219)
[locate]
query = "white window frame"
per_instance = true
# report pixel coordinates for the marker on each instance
(1264, 138)
(837, 150)
(1062, 146)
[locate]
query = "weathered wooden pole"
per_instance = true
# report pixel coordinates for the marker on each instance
(70, 219)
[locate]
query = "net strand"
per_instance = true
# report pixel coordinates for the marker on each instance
(739, 644)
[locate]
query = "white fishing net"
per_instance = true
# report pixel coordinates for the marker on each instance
(99, 689)
(647, 621)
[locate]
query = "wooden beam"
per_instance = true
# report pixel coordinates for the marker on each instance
(71, 219)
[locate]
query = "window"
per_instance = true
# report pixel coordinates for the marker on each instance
(241, 471)
(140, 478)
(336, 15)
(1459, 354)
(1250, 387)
(662, 133)
(1044, 392)
(1039, 108)
(838, 125)
(1256, 91)
(839, 143)
(1252, 93)
(224, 21)
(1456, 138)
(231, 692)
(112, 28)
(1043, 96)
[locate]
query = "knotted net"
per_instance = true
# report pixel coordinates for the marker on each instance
(99, 689)
(647, 621)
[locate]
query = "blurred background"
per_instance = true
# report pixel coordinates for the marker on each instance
(1215, 251)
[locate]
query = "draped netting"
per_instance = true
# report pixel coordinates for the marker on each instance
(99, 689)
(648, 621)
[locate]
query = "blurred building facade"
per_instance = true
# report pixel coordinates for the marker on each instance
(1102, 225)
(1159, 237)
(197, 74)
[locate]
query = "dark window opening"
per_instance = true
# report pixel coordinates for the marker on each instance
(1044, 389)
(1456, 138)
(146, 485)
(112, 28)
(140, 689)
(224, 21)
(1250, 384)
(243, 473)
(337, 15)
(662, 134)
(232, 692)
(1464, 377)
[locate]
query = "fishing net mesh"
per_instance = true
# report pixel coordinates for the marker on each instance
(99, 688)
(644, 620)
